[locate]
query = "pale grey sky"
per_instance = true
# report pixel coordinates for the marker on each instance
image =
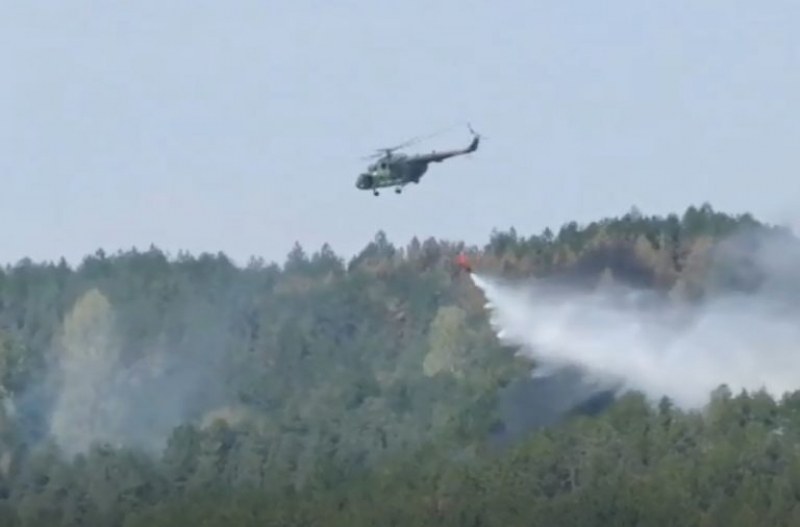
(239, 126)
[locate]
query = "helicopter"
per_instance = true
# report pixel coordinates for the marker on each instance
(398, 170)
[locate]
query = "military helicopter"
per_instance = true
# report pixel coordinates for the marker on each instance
(398, 170)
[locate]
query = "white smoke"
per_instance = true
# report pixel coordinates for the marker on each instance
(625, 339)
(99, 398)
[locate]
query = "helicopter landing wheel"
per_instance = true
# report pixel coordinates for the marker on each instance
(375, 193)
(398, 190)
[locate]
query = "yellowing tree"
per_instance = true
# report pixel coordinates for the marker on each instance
(86, 410)
(447, 342)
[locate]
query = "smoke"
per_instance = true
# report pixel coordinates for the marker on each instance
(745, 334)
(94, 394)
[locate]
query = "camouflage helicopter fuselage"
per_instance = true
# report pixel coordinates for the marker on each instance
(398, 170)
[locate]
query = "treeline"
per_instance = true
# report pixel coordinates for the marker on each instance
(143, 389)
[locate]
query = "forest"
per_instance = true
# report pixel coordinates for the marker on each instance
(146, 389)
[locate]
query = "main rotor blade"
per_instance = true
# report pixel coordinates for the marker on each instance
(409, 142)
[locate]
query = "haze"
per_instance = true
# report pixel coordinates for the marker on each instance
(239, 126)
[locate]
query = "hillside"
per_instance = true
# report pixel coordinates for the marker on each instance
(142, 389)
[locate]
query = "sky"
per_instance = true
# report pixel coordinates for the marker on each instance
(240, 126)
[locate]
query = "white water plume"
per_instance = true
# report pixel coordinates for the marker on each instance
(625, 340)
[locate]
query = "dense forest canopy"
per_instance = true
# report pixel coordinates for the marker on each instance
(142, 389)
